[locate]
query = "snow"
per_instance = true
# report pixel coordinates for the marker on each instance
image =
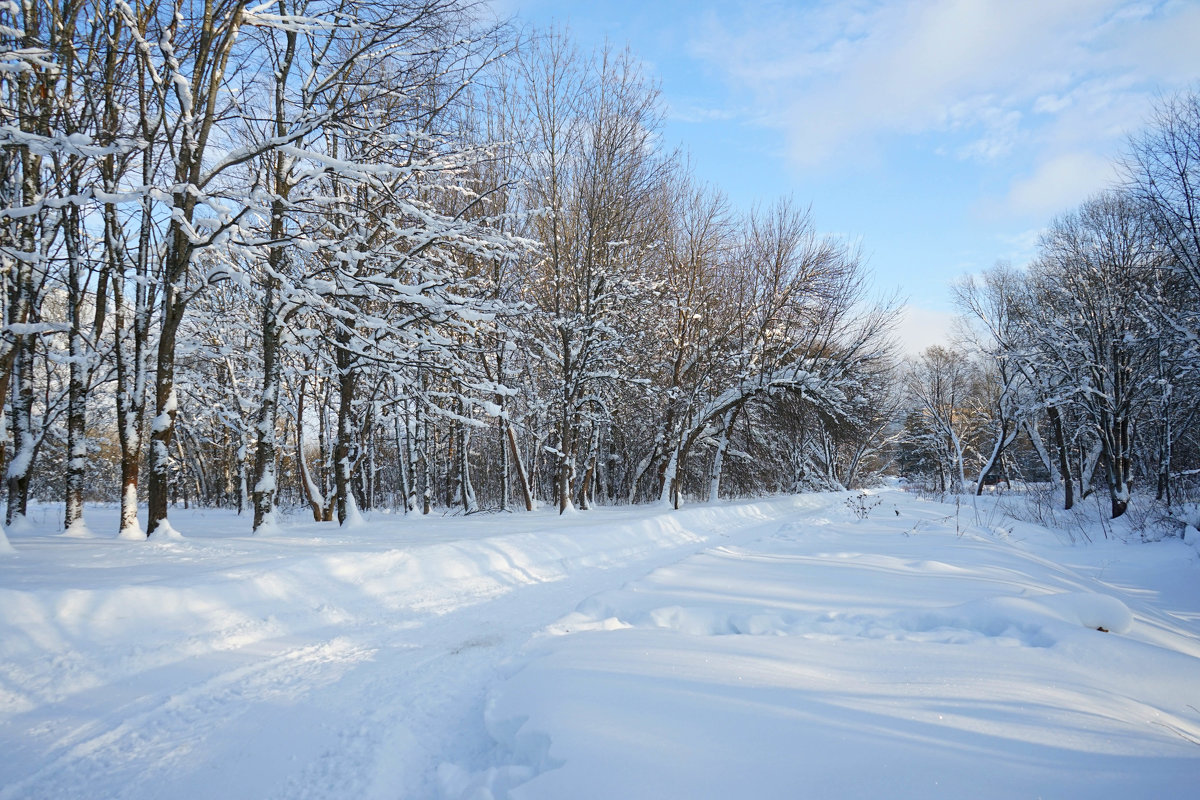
(78, 530)
(20, 524)
(767, 649)
(163, 421)
(267, 482)
(164, 532)
(134, 531)
(23, 457)
(270, 525)
(354, 517)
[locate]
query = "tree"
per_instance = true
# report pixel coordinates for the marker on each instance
(1092, 273)
(1006, 394)
(362, 110)
(30, 87)
(940, 383)
(1163, 178)
(800, 331)
(591, 168)
(1162, 174)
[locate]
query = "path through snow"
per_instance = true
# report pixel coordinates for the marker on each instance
(779, 648)
(310, 664)
(848, 660)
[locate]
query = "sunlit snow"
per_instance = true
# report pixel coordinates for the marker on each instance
(772, 649)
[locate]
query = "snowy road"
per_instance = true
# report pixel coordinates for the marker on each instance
(306, 665)
(773, 649)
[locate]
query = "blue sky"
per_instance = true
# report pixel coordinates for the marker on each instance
(942, 134)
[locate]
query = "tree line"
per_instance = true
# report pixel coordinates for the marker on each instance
(336, 254)
(339, 254)
(1086, 364)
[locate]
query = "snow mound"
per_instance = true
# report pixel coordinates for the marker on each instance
(1190, 536)
(79, 530)
(22, 525)
(165, 533)
(1034, 621)
(1090, 610)
(133, 533)
(270, 526)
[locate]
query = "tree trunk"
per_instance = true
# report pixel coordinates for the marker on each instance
(21, 465)
(1087, 468)
(22, 307)
(131, 338)
(1002, 441)
(166, 407)
(502, 450)
(466, 489)
(1115, 456)
(519, 464)
(243, 477)
(266, 452)
(82, 363)
(669, 491)
(76, 433)
(426, 480)
(312, 493)
(714, 476)
(404, 459)
(410, 451)
(76, 400)
(343, 452)
(587, 487)
(1064, 461)
(422, 432)
(640, 470)
(131, 411)
(566, 476)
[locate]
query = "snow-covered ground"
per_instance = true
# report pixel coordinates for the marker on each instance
(773, 649)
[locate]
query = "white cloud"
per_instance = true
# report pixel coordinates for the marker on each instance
(1002, 130)
(992, 75)
(1051, 104)
(1060, 183)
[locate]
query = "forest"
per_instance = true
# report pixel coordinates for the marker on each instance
(338, 255)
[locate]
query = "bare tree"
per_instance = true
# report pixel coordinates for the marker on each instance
(1163, 177)
(940, 381)
(1162, 173)
(1092, 272)
(588, 128)
(1007, 390)
(801, 329)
